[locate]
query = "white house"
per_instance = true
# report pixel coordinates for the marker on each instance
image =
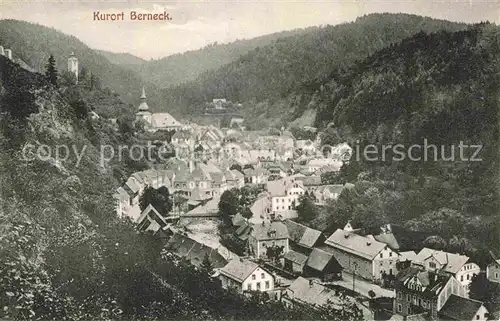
(362, 255)
(284, 193)
(493, 271)
(245, 275)
(457, 265)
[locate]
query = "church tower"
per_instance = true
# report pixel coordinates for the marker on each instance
(73, 65)
(143, 113)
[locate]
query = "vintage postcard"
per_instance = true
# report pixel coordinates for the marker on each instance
(249, 160)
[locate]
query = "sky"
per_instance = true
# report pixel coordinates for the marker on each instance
(196, 23)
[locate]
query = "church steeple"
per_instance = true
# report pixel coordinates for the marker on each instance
(144, 105)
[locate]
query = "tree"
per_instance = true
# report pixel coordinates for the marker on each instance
(228, 205)
(80, 108)
(246, 213)
(306, 209)
(273, 253)
(206, 266)
(158, 198)
(51, 71)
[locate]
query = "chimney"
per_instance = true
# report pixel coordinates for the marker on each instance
(311, 283)
(368, 243)
(241, 259)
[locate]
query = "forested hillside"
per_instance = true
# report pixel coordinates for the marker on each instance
(440, 89)
(34, 44)
(267, 79)
(64, 255)
(180, 68)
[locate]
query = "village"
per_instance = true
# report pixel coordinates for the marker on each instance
(261, 247)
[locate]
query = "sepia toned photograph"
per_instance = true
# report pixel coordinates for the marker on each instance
(250, 160)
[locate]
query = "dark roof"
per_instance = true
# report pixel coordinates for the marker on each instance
(295, 257)
(319, 259)
(193, 251)
(434, 282)
(458, 308)
(301, 234)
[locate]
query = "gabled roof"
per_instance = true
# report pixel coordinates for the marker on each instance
(452, 262)
(389, 239)
(121, 194)
(312, 180)
(295, 257)
(355, 244)
(279, 187)
(319, 259)
(301, 234)
(459, 308)
(133, 185)
(312, 293)
(163, 120)
(153, 214)
(334, 188)
(239, 269)
(211, 208)
(265, 231)
(434, 282)
(194, 252)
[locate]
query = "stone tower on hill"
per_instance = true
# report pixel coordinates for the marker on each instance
(73, 65)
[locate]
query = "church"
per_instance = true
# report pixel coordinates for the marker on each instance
(155, 121)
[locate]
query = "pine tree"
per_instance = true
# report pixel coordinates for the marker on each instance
(51, 72)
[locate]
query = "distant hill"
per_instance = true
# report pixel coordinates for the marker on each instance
(264, 78)
(180, 68)
(124, 59)
(33, 44)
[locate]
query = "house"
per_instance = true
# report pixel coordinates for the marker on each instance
(460, 308)
(234, 178)
(493, 270)
(306, 146)
(304, 293)
(186, 248)
(261, 210)
(455, 264)
(294, 261)
(325, 193)
(302, 238)
(284, 194)
(150, 220)
(134, 188)
(122, 199)
(244, 275)
(322, 264)
(267, 235)
(255, 176)
(209, 209)
(317, 163)
(361, 255)
(419, 291)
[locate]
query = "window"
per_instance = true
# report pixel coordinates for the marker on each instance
(267, 284)
(408, 298)
(381, 255)
(253, 276)
(461, 278)
(258, 286)
(432, 265)
(496, 275)
(400, 308)
(249, 287)
(467, 276)
(477, 317)
(390, 254)
(262, 276)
